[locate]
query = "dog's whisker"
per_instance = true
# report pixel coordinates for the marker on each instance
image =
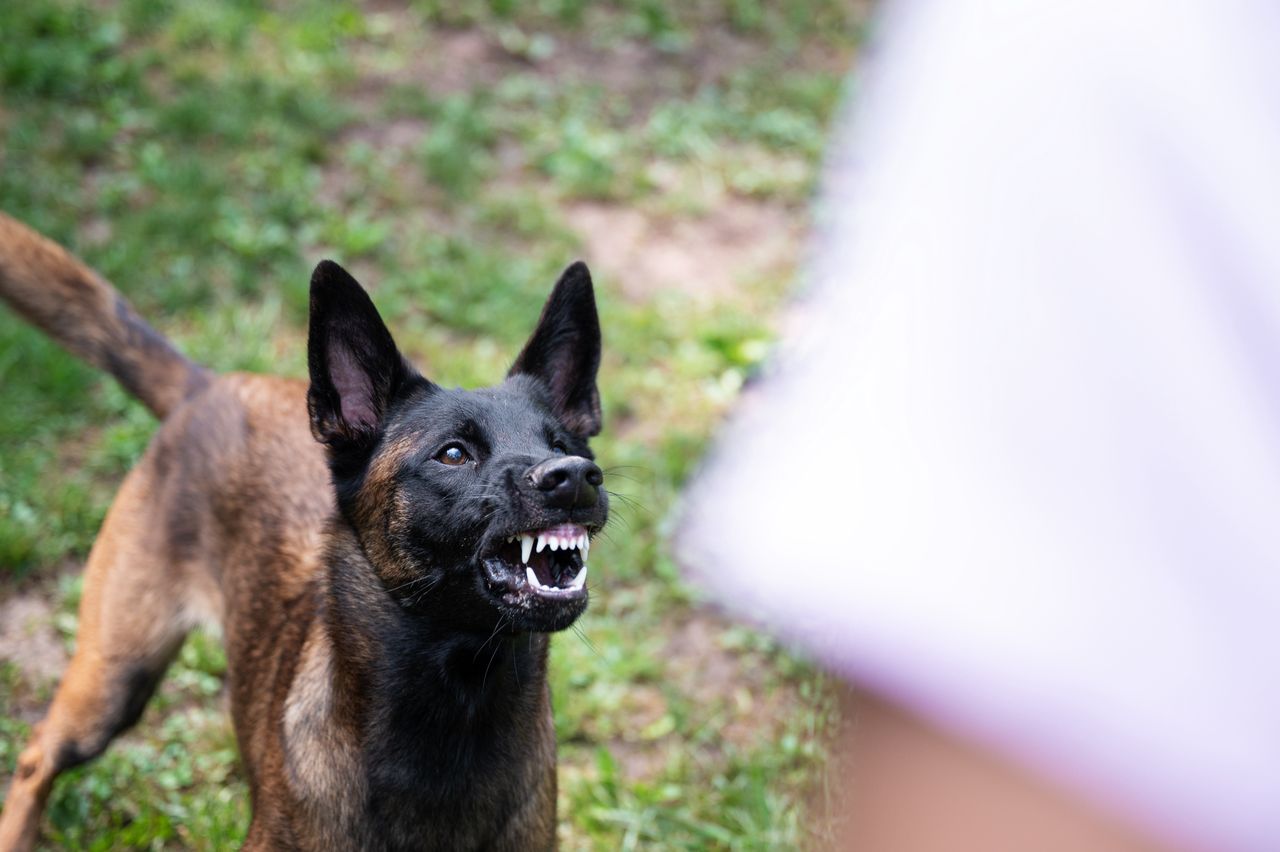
(481, 496)
(591, 646)
(603, 532)
(406, 585)
(488, 488)
(629, 502)
(625, 519)
(494, 655)
(426, 590)
(613, 472)
(496, 628)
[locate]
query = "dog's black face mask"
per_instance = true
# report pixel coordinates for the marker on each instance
(475, 507)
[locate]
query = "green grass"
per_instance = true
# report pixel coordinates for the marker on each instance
(205, 155)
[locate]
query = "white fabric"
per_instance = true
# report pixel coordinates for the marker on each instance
(1022, 472)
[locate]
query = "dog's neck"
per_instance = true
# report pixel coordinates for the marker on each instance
(413, 668)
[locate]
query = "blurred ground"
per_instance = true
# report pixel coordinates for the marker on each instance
(455, 157)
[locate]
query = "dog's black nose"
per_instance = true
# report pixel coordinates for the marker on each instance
(569, 482)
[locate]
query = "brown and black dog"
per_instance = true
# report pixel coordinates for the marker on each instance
(385, 558)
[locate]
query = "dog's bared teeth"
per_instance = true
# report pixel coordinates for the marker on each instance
(580, 579)
(526, 548)
(532, 577)
(542, 542)
(553, 542)
(584, 545)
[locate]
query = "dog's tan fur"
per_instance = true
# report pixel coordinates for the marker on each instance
(223, 520)
(62, 296)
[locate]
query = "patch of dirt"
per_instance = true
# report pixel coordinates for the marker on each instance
(757, 705)
(740, 241)
(640, 74)
(32, 644)
(751, 705)
(400, 135)
(640, 757)
(639, 761)
(443, 60)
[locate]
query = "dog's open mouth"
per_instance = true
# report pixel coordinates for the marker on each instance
(549, 563)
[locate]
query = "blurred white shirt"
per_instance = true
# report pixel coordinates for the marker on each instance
(1021, 472)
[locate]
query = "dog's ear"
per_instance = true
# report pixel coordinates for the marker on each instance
(564, 352)
(355, 367)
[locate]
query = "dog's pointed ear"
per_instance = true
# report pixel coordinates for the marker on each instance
(564, 352)
(355, 367)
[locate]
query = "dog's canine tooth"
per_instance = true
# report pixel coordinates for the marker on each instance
(580, 579)
(526, 548)
(584, 545)
(532, 577)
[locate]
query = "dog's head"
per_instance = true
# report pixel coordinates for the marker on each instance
(476, 507)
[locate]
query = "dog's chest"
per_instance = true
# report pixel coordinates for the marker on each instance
(406, 807)
(419, 778)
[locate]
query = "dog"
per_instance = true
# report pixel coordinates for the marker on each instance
(385, 557)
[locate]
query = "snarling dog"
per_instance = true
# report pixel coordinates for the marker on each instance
(385, 556)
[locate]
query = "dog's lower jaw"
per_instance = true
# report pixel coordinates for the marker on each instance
(389, 723)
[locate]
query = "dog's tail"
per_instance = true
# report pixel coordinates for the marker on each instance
(74, 305)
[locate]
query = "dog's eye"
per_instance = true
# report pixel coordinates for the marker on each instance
(559, 449)
(453, 454)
